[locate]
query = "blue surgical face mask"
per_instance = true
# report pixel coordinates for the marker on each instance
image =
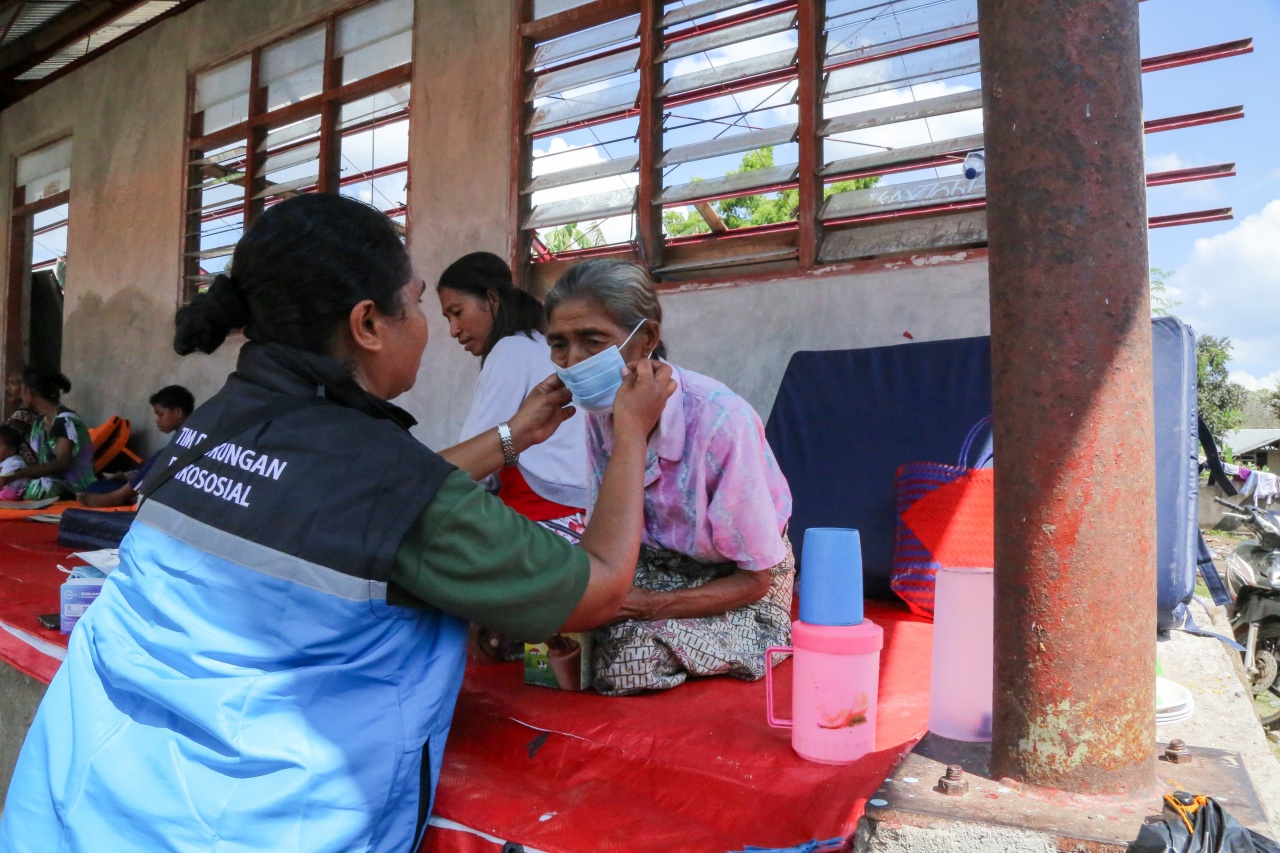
(595, 381)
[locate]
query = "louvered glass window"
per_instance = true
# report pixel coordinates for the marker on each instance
(708, 137)
(325, 109)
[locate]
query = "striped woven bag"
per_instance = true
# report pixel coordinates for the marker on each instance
(945, 519)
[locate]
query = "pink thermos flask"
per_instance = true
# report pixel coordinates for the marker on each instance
(836, 666)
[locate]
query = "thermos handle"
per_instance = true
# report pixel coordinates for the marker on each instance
(768, 684)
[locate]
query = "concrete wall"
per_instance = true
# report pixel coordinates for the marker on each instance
(744, 335)
(20, 696)
(1209, 512)
(126, 112)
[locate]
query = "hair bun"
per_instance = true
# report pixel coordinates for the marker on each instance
(205, 323)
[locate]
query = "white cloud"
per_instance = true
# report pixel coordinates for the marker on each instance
(1256, 383)
(559, 154)
(1231, 286)
(1166, 162)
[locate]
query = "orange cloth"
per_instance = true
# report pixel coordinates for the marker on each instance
(55, 509)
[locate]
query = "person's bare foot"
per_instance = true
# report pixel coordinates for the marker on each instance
(91, 500)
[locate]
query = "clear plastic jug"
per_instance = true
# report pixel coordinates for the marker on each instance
(835, 681)
(960, 690)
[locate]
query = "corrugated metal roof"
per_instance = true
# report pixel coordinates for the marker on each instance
(1245, 440)
(31, 16)
(100, 37)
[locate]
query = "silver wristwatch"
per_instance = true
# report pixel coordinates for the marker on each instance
(509, 455)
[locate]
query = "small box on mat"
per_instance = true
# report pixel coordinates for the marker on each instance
(77, 595)
(562, 662)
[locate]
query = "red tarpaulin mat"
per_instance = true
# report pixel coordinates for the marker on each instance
(29, 586)
(691, 769)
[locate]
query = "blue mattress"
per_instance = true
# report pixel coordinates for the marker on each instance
(845, 420)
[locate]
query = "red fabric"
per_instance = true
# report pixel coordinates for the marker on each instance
(515, 493)
(30, 586)
(956, 521)
(691, 769)
(945, 518)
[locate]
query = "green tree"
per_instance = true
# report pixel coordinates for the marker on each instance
(568, 237)
(748, 210)
(1161, 303)
(1261, 410)
(1221, 401)
(1272, 400)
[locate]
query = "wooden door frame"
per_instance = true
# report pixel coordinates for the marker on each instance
(17, 297)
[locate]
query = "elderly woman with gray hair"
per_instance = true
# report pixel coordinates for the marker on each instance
(714, 579)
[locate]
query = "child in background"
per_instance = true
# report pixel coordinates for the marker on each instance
(171, 405)
(11, 462)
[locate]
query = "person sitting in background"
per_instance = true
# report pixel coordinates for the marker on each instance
(171, 405)
(11, 462)
(59, 439)
(714, 580)
(21, 418)
(503, 327)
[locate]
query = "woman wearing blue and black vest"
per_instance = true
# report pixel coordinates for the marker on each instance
(275, 662)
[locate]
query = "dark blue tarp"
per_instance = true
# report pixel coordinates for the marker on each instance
(845, 420)
(1177, 464)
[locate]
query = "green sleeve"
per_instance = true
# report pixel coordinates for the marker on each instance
(470, 555)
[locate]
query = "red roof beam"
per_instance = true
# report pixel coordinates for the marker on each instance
(1195, 173)
(1156, 125)
(1193, 218)
(1199, 54)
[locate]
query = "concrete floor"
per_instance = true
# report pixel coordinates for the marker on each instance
(20, 695)
(1224, 717)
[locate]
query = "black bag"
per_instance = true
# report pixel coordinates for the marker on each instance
(90, 530)
(1199, 825)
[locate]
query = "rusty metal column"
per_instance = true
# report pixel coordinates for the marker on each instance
(1071, 374)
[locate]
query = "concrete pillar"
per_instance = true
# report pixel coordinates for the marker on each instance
(1071, 373)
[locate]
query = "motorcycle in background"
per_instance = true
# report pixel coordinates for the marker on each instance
(1253, 582)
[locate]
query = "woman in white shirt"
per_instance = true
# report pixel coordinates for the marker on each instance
(503, 327)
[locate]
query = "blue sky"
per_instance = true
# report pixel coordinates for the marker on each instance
(1226, 274)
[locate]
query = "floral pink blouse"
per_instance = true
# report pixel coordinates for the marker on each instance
(713, 490)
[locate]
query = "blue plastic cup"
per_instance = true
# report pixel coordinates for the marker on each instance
(831, 577)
